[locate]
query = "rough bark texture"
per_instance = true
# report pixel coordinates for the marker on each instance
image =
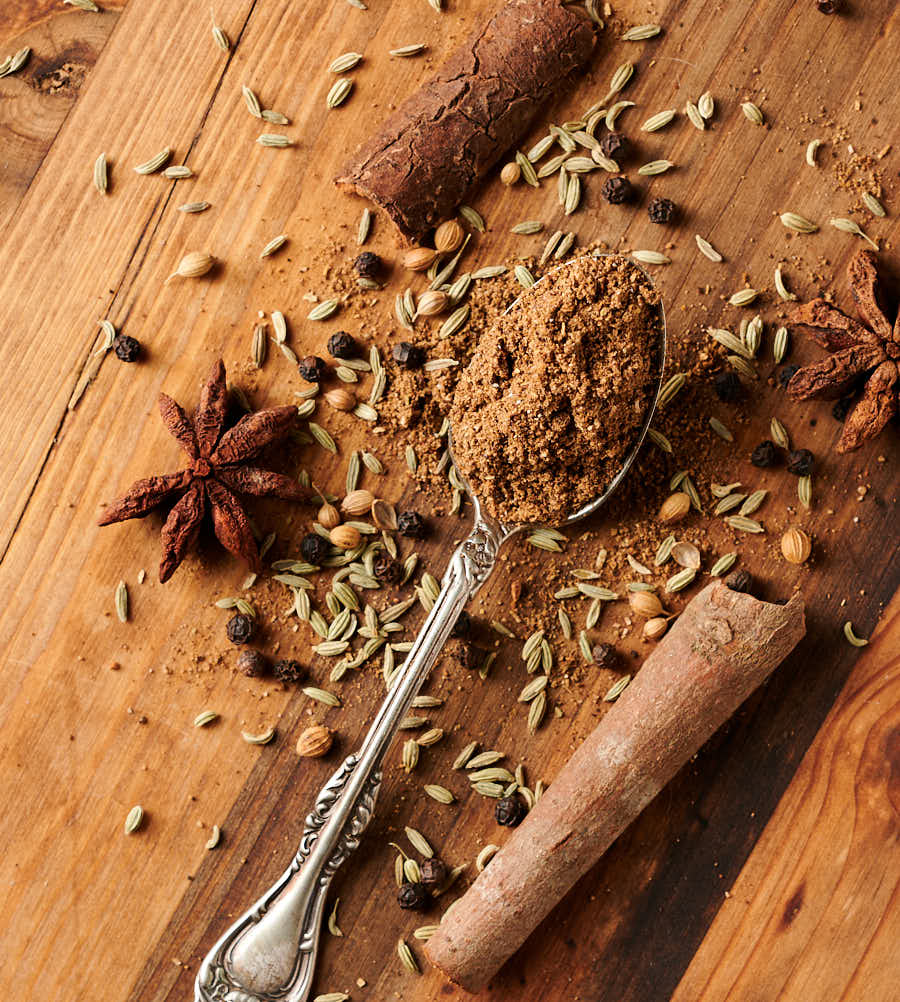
(721, 648)
(440, 141)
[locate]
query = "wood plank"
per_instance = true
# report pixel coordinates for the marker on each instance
(79, 759)
(65, 45)
(816, 910)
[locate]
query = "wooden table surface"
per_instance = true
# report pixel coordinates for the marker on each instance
(768, 870)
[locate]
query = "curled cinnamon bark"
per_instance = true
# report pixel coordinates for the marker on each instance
(443, 139)
(720, 649)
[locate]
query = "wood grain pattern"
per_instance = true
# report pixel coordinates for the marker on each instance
(90, 910)
(824, 873)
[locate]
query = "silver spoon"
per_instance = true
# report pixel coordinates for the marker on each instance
(269, 953)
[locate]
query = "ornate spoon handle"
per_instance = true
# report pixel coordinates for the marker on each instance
(269, 954)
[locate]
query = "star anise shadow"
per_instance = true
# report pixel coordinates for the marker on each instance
(219, 474)
(864, 351)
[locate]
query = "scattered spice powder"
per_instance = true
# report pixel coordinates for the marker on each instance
(558, 390)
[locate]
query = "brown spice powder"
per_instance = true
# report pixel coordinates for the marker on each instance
(557, 391)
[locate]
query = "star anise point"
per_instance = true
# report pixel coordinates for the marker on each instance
(217, 475)
(860, 351)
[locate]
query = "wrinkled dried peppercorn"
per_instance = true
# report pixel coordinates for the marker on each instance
(727, 386)
(368, 265)
(616, 190)
(413, 896)
(615, 146)
(342, 345)
(386, 569)
(800, 462)
(662, 210)
(434, 872)
(785, 373)
(463, 625)
(127, 349)
(240, 628)
(509, 811)
(312, 368)
(471, 657)
(842, 408)
(412, 525)
(605, 655)
(288, 670)
(765, 454)
(408, 356)
(740, 581)
(314, 549)
(253, 663)
(829, 6)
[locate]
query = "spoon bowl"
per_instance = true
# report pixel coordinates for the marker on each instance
(596, 503)
(269, 953)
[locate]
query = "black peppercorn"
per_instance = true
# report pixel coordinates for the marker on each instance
(463, 626)
(413, 896)
(765, 454)
(616, 190)
(786, 374)
(727, 386)
(800, 462)
(368, 265)
(288, 670)
(127, 349)
(662, 210)
(312, 368)
(740, 581)
(842, 408)
(829, 6)
(605, 655)
(412, 525)
(408, 356)
(240, 628)
(615, 146)
(314, 548)
(386, 569)
(253, 663)
(472, 657)
(342, 345)
(434, 872)
(509, 811)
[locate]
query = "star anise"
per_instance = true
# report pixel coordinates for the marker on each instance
(218, 474)
(866, 352)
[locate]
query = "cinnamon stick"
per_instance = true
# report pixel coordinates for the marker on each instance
(720, 649)
(431, 152)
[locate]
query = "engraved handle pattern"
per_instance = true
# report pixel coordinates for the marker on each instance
(269, 954)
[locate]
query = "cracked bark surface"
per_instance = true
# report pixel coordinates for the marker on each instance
(439, 143)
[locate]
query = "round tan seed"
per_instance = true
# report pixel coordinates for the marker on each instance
(511, 173)
(193, 265)
(315, 742)
(340, 399)
(344, 537)
(645, 604)
(674, 508)
(448, 236)
(655, 628)
(432, 302)
(796, 546)
(328, 516)
(357, 502)
(419, 258)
